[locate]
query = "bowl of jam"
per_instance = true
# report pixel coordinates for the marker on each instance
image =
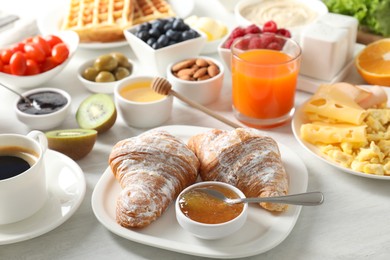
(43, 108)
(207, 217)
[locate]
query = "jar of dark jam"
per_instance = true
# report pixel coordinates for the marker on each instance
(45, 102)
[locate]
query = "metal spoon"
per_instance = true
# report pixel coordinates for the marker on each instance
(20, 95)
(304, 199)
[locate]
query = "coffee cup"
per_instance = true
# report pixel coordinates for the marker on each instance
(23, 189)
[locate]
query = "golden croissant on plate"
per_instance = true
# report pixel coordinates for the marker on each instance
(244, 158)
(152, 169)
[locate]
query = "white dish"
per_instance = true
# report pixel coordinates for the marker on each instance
(299, 119)
(50, 23)
(66, 187)
(262, 231)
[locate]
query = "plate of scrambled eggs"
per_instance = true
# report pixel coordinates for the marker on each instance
(348, 127)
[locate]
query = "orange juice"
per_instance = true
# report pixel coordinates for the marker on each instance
(140, 92)
(264, 83)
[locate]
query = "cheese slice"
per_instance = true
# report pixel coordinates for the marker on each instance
(333, 133)
(336, 105)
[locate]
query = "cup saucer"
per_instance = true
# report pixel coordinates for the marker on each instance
(66, 189)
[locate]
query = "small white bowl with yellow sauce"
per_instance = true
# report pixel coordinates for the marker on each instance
(138, 105)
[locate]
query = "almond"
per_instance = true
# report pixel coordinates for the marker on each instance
(183, 65)
(202, 63)
(200, 72)
(213, 70)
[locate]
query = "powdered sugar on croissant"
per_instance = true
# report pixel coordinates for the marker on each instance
(244, 158)
(152, 169)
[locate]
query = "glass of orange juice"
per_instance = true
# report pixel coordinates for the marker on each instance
(265, 69)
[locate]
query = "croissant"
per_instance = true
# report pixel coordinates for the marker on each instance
(152, 169)
(244, 158)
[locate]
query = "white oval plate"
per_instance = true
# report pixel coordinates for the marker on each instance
(299, 119)
(66, 188)
(262, 231)
(50, 23)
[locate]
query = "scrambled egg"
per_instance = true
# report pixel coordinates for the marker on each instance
(372, 157)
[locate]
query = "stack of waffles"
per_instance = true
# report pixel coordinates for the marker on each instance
(105, 20)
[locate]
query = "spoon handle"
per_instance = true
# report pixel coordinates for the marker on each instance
(204, 109)
(305, 199)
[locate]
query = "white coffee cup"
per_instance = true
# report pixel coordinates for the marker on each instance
(25, 193)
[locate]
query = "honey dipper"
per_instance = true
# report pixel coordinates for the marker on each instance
(164, 87)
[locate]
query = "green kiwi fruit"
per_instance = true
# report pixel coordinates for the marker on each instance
(97, 112)
(75, 143)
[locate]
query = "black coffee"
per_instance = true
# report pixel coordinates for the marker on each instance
(14, 161)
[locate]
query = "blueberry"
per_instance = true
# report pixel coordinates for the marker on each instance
(159, 24)
(156, 46)
(179, 24)
(173, 35)
(168, 26)
(154, 32)
(163, 40)
(150, 41)
(190, 34)
(143, 35)
(144, 27)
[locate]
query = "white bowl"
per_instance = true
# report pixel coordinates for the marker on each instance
(156, 61)
(203, 92)
(71, 39)
(142, 114)
(211, 231)
(224, 53)
(45, 121)
(317, 8)
(99, 87)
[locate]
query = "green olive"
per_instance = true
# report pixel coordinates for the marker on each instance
(121, 72)
(105, 76)
(105, 62)
(122, 59)
(90, 73)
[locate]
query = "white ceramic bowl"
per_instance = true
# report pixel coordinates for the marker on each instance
(142, 114)
(318, 8)
(211, 231)
(156, 61)
(71, 39)
(203, 92)
(45, 121)
(99, 87)
(224, 53)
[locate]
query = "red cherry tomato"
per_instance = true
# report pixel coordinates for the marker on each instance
(6, 55)
(60, 52)
(1, 66)
(48, 64)
(17, 47)
(7, 69)
(18, 64)
(32, 67)
(44, 45)
(53, 40)
(34, 51)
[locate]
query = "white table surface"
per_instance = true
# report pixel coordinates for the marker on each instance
(353, 222)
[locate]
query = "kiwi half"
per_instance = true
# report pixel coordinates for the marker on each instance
(75, 143)
(97, 112)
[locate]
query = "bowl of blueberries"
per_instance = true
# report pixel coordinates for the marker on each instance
(160, 42)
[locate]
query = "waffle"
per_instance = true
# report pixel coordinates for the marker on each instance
(148, 10)
(105, 20)
(99, 20)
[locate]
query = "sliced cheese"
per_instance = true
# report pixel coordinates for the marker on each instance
(333, 133)
(336, 105)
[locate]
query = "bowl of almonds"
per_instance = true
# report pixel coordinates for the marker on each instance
(199, 78)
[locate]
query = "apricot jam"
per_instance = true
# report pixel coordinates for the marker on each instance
(206, 209)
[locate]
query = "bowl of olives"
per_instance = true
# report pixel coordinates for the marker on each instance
(101, 74)
(160, 42)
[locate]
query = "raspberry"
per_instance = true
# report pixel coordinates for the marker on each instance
(270, 26)
(267, 38)
(274, 46)
(243, 44)
(252, 29)
(237, 32)
(284, 32)
(228, 43)
(255, 43)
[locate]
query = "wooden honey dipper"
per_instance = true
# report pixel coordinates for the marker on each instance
(164, 87)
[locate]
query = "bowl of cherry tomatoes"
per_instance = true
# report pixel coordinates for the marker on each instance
(37, 59)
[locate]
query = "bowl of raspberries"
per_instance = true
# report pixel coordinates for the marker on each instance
(270, 42)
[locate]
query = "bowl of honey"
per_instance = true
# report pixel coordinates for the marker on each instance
(207, 217)
(138, 105)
